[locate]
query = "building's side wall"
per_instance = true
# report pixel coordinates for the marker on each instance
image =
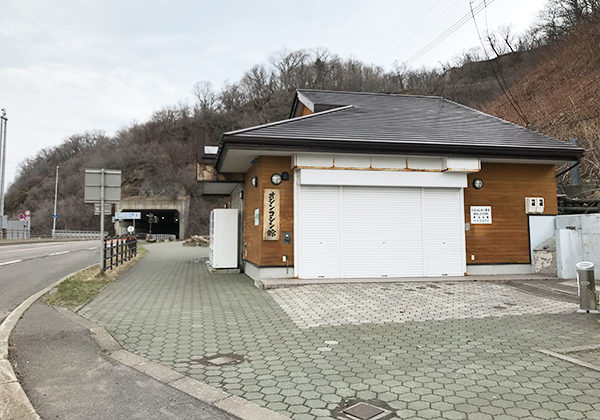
(505, 186)
(252, 200)
(237, 202)
(256, 250)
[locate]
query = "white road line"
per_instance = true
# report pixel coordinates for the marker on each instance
(59, 253)
(94, 247)
(33, 248)
(10, 262)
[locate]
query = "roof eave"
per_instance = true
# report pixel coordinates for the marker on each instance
(308, 145)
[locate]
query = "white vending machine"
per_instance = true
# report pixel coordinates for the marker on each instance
(223, 238)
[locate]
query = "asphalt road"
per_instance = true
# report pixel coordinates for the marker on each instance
(66, 376)
(27, 268)
(61, 368)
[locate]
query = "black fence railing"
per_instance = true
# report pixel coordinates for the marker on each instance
(567, 205)
(118, 250)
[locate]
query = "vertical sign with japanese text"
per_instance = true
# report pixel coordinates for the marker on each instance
(271, 215)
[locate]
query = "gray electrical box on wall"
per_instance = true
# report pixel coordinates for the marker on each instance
(287, 237)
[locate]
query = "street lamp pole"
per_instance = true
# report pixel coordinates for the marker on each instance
(54, 215)
(3, 161)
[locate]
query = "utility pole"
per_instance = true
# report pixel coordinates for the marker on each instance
(102, 246)
(54, 215)
(575, 172)
(3, 161)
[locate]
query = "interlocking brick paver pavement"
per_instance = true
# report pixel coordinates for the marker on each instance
(339, 304)
(478, 365)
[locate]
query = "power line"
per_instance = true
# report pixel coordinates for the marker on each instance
(499, 68)
(504, 89)
(436, 41)
(449, 31)
(399, 41)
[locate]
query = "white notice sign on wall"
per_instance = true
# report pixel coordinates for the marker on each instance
(481, 215)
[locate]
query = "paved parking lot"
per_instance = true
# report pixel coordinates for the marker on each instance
(422, 350)
(342, 304)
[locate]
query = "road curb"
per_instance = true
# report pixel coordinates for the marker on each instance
(232, 404)
(14, 403)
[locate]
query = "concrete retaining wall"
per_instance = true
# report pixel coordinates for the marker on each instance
(181, 204)
(577, 239)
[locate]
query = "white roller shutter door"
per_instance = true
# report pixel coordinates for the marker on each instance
(354, 232)
(319, 232)
(443, 232)
(381, 232)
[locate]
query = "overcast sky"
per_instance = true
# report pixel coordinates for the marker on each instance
(76, 65)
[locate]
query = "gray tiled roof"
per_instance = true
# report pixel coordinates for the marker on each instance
(413, 122)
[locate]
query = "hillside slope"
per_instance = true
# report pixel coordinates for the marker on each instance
(560, 96)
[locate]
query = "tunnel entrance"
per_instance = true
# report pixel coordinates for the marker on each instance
(167, 222)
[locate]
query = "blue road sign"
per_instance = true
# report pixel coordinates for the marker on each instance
(55, 216)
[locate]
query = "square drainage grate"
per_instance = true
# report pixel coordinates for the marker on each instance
(364, 411)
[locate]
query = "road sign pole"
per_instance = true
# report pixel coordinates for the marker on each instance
(3, 161)
(55, 197)
(102, 250)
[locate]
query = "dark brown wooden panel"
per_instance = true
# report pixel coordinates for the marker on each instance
(258, 251)
(505, 186)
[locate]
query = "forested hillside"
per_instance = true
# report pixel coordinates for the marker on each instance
(547, 79)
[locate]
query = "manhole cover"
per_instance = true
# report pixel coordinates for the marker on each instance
(354, 409)
(364, 411)
(220, 360)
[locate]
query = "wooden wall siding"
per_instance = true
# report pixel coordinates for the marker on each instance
(256, 250)
(306, 111)
(252, 200)
(505, 187)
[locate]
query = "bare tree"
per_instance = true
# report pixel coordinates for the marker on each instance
(559, 17)
(206, 97)
(506, 35)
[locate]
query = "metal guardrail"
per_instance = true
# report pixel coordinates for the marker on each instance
(118, 250)
(160, 237)
(15, 234)
(76, 234)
